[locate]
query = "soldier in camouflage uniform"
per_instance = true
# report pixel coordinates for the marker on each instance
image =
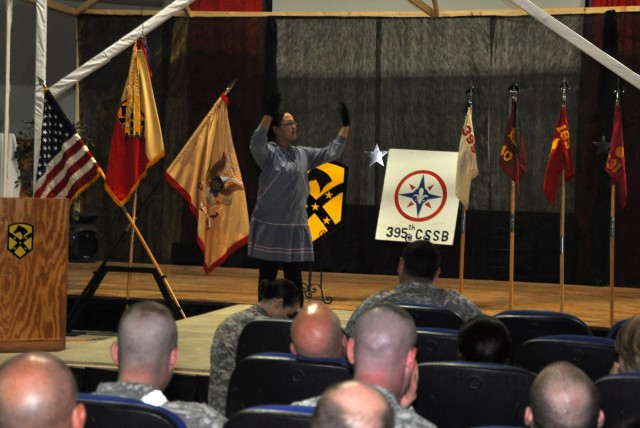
(146, 353)
(383, 352)
(419, 266)
(279, 298)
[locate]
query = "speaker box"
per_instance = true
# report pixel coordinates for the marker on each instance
(83, 239)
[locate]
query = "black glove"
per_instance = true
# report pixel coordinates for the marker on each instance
(344, 114)
(272, 104)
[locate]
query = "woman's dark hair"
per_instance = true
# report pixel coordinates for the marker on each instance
(279, 289)
(484, 339)
(275, 122)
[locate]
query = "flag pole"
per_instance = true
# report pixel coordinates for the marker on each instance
(612, 232)
(463, 223)
(513, 90)
(132, 241)
(612, 249)
(564, 88)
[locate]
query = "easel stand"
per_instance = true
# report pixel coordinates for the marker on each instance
(310, 287)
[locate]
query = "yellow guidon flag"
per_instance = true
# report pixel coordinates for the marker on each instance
(327, 187)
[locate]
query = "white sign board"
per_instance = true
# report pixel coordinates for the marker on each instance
(418, 197)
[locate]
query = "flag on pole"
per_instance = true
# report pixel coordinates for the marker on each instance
(615, 161)
(559, 158)
(467, 161)
(136, 143)
(207, 175)
(513, 158)
(66, 166)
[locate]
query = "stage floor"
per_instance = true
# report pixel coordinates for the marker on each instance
(237, 287)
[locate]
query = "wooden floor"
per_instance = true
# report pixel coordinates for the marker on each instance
(234, 285)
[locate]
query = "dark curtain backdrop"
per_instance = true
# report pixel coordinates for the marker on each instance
(404, 81)
(619, 35)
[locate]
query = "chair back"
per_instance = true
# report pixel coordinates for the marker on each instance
(104, 411)
(619, 398)
(615, 328)
(272, 416)
(432, 316)
(525, 325)
(437, 344)
(275, 378)
(490, 394)
(594, 355)
(265, 335)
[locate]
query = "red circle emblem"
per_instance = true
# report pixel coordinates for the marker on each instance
(420, 196)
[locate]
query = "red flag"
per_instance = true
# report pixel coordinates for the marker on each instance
(559, 158)
(615, 161)
(136, 143)
(513, 158)
(66, 166)
(207, 175)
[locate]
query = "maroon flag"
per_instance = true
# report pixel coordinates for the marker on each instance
(559, 158)
(66, 166)
(513, 158)
(615, 161)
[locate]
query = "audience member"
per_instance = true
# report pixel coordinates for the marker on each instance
(628, 347)
(352, 404)
(563, 396)
(38, 390)
(383, 352)
(146, 353)
(316, 332)
(484, 339)
(279, 298)
(418, 268)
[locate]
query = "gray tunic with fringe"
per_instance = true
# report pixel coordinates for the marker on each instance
(279, 229)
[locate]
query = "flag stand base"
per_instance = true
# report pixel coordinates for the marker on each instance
(310, 287)
(90, 290)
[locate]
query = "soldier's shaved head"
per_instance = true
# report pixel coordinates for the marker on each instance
(38, 390)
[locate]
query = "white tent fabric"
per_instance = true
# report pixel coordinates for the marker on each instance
(105, 56)
(5, 161)
(40, 78)
(579, 42)
(88, 67)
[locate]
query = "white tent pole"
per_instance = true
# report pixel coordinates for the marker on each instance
(105, 56)
(39, 79)
(6, 154)
(579, 42)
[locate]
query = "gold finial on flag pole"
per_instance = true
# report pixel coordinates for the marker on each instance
(513, 90)
(564, 88)
(618, 91)
(230, 86)
(470, 94)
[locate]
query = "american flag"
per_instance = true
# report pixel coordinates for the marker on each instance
(66, 166)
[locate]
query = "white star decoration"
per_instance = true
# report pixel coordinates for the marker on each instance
(376, 156)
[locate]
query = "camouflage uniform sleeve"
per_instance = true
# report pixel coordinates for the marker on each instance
(467, 308)
(223, 362)
(196, 415)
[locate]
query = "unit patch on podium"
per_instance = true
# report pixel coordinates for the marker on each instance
(326, 198)
(20, 239)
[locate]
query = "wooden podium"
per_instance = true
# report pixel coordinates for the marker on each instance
(33, 273)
